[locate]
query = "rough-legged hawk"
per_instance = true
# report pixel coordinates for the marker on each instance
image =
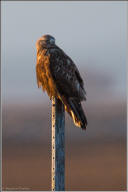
(59, 76)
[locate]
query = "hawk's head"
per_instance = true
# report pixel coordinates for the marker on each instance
(45, 42)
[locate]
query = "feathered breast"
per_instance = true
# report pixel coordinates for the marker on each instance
(44, 76)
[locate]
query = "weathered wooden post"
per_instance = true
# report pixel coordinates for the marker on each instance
(58, 146)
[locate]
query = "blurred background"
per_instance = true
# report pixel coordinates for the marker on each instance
(93, 34)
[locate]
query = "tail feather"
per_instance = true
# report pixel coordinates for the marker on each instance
(78, 113)
(75, 110)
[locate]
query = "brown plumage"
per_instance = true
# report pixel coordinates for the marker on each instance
(59, 76)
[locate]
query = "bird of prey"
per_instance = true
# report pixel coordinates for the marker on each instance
(58, 75)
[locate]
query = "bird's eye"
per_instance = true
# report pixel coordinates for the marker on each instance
(42, 42)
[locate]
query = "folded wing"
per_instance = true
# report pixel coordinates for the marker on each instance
(69, 85)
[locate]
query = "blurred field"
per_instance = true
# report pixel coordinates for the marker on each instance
(95, 159)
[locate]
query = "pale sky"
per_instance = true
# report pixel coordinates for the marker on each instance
(93, 34)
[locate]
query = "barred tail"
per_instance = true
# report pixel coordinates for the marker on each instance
(75, 110)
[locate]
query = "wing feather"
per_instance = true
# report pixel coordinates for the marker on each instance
(66, 75)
